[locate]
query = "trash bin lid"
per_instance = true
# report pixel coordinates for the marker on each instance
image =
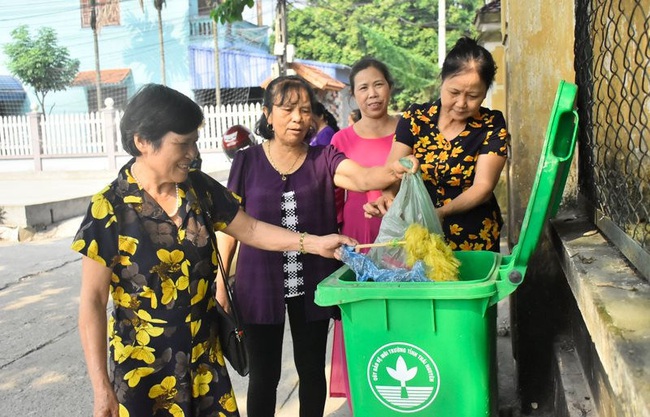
(552, 171)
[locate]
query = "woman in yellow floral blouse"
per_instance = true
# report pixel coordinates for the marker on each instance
(461, 147)
(146, 245)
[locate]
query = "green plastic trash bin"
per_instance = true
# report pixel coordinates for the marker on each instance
(428, 348)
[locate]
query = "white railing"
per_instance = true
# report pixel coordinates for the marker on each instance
(218, 121)
(14, 136)
(68, 134)
(97, 133)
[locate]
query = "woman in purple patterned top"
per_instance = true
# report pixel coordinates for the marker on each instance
(285, 182)
(326, 126)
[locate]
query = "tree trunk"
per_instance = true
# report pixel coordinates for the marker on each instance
(162, 46)
(98, 74)
(217, 69)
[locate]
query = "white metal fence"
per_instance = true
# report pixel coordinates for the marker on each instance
(14, 136)
(73, 134)
(97, 133)
(218, 120)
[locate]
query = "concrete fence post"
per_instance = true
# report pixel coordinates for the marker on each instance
(35, 134)
(110, 134)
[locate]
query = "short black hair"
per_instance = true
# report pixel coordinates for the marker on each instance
(320, 111)
(154, 111)
(277, 92)
(465, 52)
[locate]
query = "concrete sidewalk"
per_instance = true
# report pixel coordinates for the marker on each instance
(32, 202)
(287, 399)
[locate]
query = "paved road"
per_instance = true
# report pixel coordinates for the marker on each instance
(41, 367)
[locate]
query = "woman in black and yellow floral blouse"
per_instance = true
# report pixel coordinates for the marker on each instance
(146, 246)
(461, 147)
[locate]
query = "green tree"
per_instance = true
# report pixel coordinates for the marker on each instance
(404, 35)
(158, 5)
(40, 62)
(230, 11)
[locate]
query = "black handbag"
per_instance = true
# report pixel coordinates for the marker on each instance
(231, 332)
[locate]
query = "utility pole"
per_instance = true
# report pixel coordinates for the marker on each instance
(280, 49)
(442, 24)
(260, 13)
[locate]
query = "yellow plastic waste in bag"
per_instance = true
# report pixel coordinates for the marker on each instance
(431, 248)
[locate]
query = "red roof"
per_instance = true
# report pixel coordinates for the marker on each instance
(314, 76)
(111, 76)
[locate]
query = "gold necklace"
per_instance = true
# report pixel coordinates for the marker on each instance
(283, 175)
(178, 197)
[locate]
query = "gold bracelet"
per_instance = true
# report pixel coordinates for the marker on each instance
(302, 243)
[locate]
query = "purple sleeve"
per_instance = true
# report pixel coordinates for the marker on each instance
(334, 158)
(339, 193)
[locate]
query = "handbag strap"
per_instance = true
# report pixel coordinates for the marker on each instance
(202, 194)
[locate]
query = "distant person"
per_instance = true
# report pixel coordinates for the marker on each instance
(145, 244)
(325, 125)
(367, 142)
(354, 116)
(462, 149)
(284, 181)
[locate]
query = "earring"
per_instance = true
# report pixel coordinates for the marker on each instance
(269, 126)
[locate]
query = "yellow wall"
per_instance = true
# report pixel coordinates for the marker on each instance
(498, 95)
(538, 46)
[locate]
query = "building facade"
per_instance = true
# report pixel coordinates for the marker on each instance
(130, 51)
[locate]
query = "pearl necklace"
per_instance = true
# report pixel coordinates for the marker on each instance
(283, 175)
(178, 197)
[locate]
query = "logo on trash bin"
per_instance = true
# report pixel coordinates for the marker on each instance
(403, 377)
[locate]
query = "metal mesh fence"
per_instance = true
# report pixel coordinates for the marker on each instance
(612, 72)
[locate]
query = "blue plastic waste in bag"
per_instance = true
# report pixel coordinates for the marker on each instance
(412, 204)
(366, 270)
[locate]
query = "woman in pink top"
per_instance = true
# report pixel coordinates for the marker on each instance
(367, 142)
